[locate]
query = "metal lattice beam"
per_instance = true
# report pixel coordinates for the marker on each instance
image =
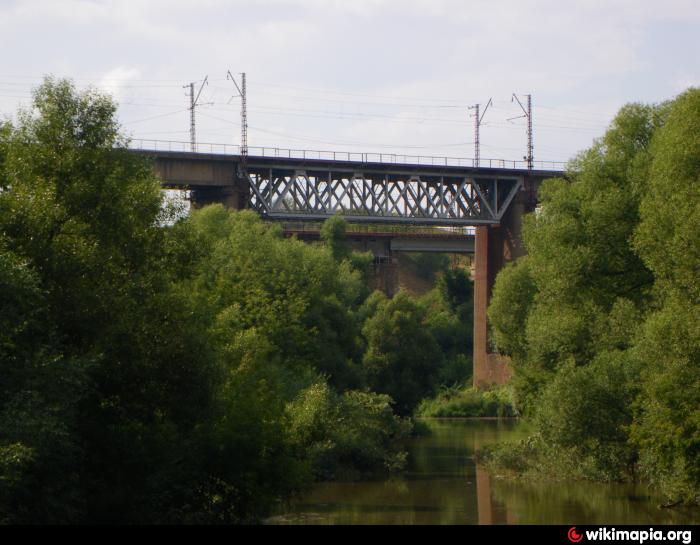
(380, 197)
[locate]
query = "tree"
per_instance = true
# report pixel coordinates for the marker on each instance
(110, 380)
(333, 234)
(80, 212)
(568, 314)
(449, 319)
(512, 298)
(667, 429)
(555, 305)
(350, 433)
(294, 295)
(402, 358)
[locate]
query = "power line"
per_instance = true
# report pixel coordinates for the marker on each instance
(555, 119)
(493, 125)
(566, 118)
(348, 115)
(340, 142)
(363, 102)
(328, 114)
(354, 143)
(88, 79)
(154, 117)
(345, 93)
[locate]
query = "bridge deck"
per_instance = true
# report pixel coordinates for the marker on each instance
(498, 167)
(228, 150)
(364, 191)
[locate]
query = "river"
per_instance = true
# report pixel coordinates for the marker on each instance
(443, 485)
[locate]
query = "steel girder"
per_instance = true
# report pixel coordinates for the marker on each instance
(372, 197)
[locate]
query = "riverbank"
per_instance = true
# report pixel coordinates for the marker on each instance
(444, 484)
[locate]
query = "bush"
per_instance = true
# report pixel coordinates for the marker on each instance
(469, 402)
(402, 358)
(586, 412)
(347, 434)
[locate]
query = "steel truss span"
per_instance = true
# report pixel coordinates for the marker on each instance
(375, 197)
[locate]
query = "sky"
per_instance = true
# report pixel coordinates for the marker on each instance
(390, 76)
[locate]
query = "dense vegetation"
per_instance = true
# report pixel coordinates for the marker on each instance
(156, 369)
(602, 318)
(462, 401)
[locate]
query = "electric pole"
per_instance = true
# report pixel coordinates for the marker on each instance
(477, 124)
(244, 114)
(193, 105)
(528, 115)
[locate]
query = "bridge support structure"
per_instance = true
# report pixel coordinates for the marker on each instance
(299, 189)
(230, 196)
(417, 196)
(495, 247)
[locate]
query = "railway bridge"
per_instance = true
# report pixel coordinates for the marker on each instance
(485, 201)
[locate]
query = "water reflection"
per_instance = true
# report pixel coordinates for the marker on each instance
(444, 486)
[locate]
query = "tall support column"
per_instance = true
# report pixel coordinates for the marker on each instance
(481, 301)
(495, 246)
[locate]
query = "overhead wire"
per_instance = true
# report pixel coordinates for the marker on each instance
(338, 142)
(555, 118)
(154, 117)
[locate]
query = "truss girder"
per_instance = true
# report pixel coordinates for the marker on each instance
(380, 197)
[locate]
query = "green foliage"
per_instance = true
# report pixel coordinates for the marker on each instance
(333, 235)
(601, 318)
(343, 434)
(244, 454)
(164, 370)
(555, 306)
(469, 402)
(400, 359)
(667, 430)
(455, 369)
(119, 403)
(586, 411)
(667, 234)
(457, 290)
(295, 296)
(155, 368)
(429, 264)
(512, 297)
(362, 262)
(21, 300)
(449, 321)
(80, 244)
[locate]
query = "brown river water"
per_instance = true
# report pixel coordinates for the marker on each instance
(443, 485)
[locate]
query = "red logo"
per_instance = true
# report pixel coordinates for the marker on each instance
(574, 536)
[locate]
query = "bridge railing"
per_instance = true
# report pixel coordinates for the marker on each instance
(358, 157)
